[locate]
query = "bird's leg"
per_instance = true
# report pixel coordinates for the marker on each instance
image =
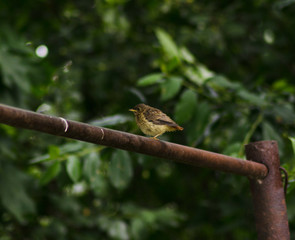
(155, 137)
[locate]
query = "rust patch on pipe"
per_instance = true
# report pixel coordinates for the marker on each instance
(268, 193)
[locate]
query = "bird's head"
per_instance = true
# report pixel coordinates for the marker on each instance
(138, 109)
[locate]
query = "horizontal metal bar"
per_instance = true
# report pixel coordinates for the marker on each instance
(80, 131)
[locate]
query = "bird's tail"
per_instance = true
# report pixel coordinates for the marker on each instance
(178, 128)
(174, 127)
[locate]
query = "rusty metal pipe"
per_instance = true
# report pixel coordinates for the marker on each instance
(80, 131)
(268, 193)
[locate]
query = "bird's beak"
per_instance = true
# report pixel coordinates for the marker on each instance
(132, 110)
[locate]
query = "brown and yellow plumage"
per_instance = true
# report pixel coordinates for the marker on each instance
(152, 121)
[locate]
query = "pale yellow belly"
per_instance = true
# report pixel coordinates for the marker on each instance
(151, 129)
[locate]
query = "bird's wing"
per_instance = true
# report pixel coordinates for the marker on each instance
(159, 118)
(160, 121)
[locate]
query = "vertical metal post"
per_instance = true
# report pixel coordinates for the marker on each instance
(268, 194)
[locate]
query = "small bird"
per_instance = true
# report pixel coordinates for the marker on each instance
(152, 121)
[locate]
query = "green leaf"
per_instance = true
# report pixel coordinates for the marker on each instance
(94, 175)
(40, 159)
(283, 86)
(284, 112)
(73, 167)
(170, 87)
(219, 81)
(291, 187)
(269, 133)
(187, 55)
(120, 169)
(232, 149)
(91, 165)
(54, 152)
(198, 74)
(199, 123)
(13, 195)
(118, 230)
(251, 98)
(72, 147)
(51, 172)
(58, 152)
(292, 139)
(14, 70)
(169, 65)
(193, 75)
(168, 45)
(150, 79)
(204, 72)
(186, 107)
(112, 120)
(138, 227)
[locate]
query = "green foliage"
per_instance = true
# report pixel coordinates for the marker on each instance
(292, 139)
(13, 193)
(120, 169)
(145, 221)
(168, 46)
(226, 79)
(150, 79)
(91, 166)
(51, 172)
(170, 88)
(186, 106)
(73, 168)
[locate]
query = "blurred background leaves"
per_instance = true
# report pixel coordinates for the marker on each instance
(223, 71)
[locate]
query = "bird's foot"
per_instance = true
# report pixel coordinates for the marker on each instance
(154, 138)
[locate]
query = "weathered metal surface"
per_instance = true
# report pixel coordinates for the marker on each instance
(268, 193)
(103, 136)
